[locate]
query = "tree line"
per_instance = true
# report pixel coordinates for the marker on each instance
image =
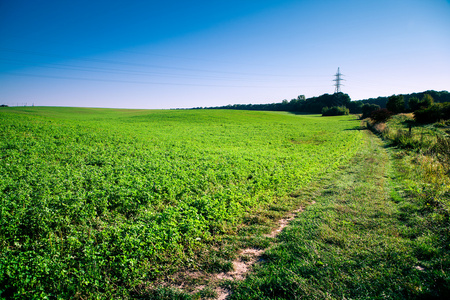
(300, 104)
(340, 103)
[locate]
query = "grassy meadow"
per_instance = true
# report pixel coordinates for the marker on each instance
(378, 230)
(107, 203)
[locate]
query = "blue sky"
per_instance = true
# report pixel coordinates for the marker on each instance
(170, 54)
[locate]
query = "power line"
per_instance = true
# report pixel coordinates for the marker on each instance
(144, 82)
(147, 71)
(134, 72)
(140, 65)
(146, 53)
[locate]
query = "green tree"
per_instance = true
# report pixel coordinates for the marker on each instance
(340, 99)
(335, 111)
(367, 109)
(414, 104)
(433, 113)
(301, 97)
(380, 115)
(427, 101)
(396, 104)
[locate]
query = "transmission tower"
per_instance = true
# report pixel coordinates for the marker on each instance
(338, 83)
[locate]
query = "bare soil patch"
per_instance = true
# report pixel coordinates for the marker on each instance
(248, 257)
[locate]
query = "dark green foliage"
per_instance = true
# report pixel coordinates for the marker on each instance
(300, 104)
(367, 109)
(380, 115)
(433, 113)
(416, 104)
(440, 97)
(443, 96)
(335, 111)
(315, 104)
(427, 101)
(355, 107)
(396, 104)
(380, 101)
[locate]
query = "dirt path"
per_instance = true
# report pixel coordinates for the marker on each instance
(250, 256)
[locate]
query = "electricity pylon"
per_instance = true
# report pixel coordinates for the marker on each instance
(338, 82)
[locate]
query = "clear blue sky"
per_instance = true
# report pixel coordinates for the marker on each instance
(169, 54)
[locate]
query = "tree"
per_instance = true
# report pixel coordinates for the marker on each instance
(367, 110)
(396, 104)
(335, 111)
(341, 99)
(380, 115)
(427, 101)
(433, 113)
(355, 107)
(416, 104)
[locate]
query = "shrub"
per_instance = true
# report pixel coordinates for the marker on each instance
(335, 111)
(433, 113)
(367, 110)
(381, 115)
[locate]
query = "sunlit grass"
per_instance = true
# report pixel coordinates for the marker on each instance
(378, 230)
(106, 202)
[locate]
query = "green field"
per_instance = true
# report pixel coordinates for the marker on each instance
(103, 203)
(368, 236)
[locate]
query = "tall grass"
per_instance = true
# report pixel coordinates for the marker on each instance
(401, 131)
(422, 168)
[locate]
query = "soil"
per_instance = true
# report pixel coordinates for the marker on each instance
(241, 265)
(248, 257)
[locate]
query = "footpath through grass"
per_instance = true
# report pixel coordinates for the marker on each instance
(360, 240)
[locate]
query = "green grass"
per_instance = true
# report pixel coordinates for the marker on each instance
(364, 238)
(402, 131)
(104, 203)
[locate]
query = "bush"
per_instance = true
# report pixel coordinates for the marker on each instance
(381, 115)
(335, 111)
(367, 110)
(433, 113)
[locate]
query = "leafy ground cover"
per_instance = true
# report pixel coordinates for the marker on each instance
(102, 203)
(378, 230)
